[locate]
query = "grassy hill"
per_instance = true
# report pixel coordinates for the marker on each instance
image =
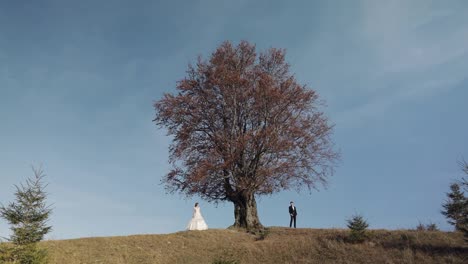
(281, 245)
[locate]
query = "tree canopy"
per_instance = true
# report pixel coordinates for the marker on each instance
(243, 126)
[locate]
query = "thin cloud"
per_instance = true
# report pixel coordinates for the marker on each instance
(418, 52)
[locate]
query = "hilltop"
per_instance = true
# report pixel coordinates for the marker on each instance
(280, 245)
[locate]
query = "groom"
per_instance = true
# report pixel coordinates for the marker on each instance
(293, 214)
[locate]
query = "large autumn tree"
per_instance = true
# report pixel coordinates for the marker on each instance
(243, 126)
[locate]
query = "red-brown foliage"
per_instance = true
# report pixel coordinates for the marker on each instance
(241, 123)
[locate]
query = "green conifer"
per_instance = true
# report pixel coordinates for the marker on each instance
(455, 207)
(28, 216)
(358, 227)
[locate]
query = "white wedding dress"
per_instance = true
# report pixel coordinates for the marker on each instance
(197, 222)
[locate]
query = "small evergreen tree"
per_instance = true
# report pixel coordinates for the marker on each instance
(28, 216)
(358, 227)
(464, 222)
(464, 184)
(454, 207)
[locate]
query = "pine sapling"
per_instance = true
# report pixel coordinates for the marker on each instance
(358, 227)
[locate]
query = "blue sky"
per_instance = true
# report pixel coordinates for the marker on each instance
(78, 78)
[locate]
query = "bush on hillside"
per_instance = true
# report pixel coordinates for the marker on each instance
(427, 227)
(358, 227)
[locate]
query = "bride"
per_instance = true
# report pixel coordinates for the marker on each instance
(197, 222)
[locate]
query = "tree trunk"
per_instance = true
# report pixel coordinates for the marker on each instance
(245, 212)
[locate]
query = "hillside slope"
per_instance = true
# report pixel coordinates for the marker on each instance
(281, 245)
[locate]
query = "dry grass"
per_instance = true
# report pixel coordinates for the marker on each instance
(282, 245)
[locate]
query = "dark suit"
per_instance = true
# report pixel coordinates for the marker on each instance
(293, 214)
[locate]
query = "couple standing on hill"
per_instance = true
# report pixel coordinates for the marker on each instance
(198, 223)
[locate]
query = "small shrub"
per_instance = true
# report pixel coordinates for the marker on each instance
(358, 227)
(420, 227)
(432, 227)
(427, 227)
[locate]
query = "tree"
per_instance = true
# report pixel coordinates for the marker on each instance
(29, 214)
(454, 206)
(242, 126)
(358, 227)
(464, 183)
